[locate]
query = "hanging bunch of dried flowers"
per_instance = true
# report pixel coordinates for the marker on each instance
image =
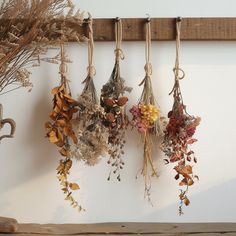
(27, 29)
(179, 133)
(60, 131)
(113, 100)
(147, 118)
(91, 133)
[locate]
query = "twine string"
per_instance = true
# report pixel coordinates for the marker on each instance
(177, 68)
(63, 66)
(91, 69)
(148, 65)
(118, 37)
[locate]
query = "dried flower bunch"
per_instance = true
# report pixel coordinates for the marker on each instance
(113, 100)
(90, 129)
(60, 131)
(179, 135)
(147, 118)
(27, 29)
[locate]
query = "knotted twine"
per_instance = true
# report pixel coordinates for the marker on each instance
(148, 65)
(177, 68)
(118, 37)
(147, 95)
(91, 71)
(63, 68)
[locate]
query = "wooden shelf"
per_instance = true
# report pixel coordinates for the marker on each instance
(164, 29)
(125, 229)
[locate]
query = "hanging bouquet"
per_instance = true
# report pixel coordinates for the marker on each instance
(179, 135)
(90, 130)
(147, 119)
(176, 145)
(113, 101)
(60, 131)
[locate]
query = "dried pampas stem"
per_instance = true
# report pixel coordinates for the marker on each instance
(27, 30)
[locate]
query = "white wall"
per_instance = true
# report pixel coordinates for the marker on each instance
(29, 190)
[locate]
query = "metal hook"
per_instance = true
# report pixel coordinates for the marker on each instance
(179, 19)
(117, 19)
(148, 17)
(89, 19)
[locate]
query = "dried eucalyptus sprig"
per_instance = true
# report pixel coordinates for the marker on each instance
(27, 29)
(113, 100)
(60, 131)
(147, 119)
(90, 130)
(179, 134)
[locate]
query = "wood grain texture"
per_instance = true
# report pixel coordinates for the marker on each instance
(162, 29)
(113, 229)
(8, 225)
(165, 234)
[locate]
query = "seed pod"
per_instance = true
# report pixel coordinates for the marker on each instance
(109, 102)
(110, 117)
(122, 101)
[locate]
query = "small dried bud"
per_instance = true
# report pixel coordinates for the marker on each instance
(122, 101)
(109, 102)
(110, 117)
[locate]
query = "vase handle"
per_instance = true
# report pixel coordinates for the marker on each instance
(12, 123)
(9, 121)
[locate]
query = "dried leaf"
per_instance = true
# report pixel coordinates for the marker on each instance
(186, 201)
(191, 141)
(74, 186)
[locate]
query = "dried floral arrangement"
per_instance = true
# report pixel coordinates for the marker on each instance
(90, 129)
(179, 134)
(113, 100)
(27, 29)
(147, 119)
(60, 131)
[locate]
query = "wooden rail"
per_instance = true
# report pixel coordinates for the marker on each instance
(164, 29)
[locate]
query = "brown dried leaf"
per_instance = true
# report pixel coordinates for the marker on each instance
(74, 186)
(186, 201)
(53, 137)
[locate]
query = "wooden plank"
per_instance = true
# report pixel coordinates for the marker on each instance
(110, 234)
(161, 28)
(164, 29)
(128, 228)
(165, 234)
(8, 225)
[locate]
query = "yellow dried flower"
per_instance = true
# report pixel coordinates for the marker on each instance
(150, 113)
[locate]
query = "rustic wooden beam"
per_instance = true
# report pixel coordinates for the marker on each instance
(163, 29)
